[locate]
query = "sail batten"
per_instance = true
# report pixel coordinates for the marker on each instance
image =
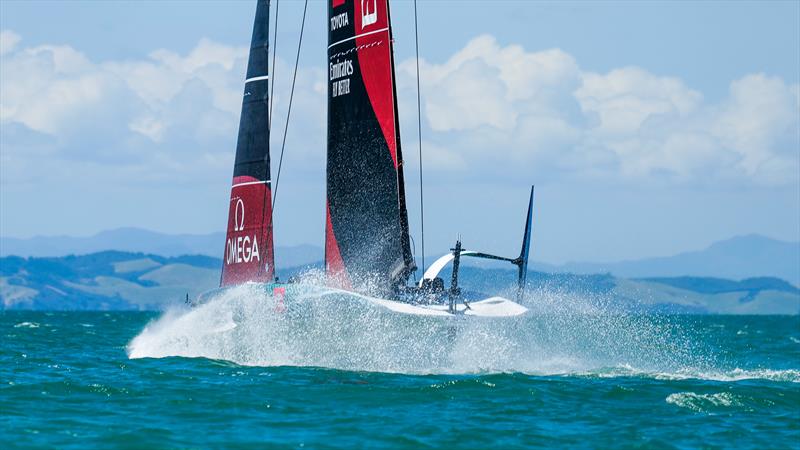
(248, 244)
(367, 240)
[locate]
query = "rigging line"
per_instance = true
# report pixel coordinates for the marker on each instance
(419, 135)
(289, 112)
(272, 73)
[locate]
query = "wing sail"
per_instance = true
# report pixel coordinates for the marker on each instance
(248, 244)
(367, 244)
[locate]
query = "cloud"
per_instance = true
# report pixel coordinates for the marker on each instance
(500, 112)
(487, 85)
(624, 98)
(759, 121)
(8, 40)
(168, 118)
(550, 119)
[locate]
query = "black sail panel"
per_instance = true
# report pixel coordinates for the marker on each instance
(248, 244)
(366, 245)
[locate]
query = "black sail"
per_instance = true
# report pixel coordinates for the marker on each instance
(248, 244)
(366, 242)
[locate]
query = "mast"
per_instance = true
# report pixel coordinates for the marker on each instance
(248, 245)
(366, 241)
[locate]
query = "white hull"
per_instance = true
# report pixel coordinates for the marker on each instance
(303, 295)
(488, 307)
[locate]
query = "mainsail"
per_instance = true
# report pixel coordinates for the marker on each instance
(248, 244)
(366, 240)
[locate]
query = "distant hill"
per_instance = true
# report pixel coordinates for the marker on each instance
(105, 281)
(137, 240)
(121, 239)
(123, 280)
(736, 258)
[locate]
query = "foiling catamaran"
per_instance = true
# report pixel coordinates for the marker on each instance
(368, 256)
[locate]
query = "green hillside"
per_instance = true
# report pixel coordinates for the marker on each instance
(105, 280)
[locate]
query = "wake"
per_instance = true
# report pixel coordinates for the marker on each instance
(564, 334)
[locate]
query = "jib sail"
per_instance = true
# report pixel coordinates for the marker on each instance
(248, 244)
(366, 242)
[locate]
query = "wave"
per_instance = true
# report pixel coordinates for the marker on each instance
(788, 375)
(564, 335)
(732, 375)
(705, 402)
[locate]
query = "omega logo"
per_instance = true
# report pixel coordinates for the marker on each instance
(241, 249)
(238, 218)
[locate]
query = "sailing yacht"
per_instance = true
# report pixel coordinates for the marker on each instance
(368, 255)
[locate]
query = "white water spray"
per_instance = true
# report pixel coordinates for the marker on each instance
(563, 333)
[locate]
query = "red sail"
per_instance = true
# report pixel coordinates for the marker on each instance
(248, 244)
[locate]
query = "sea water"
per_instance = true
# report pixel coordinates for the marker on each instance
(236, 373)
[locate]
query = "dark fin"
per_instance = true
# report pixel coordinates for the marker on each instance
(526, 248)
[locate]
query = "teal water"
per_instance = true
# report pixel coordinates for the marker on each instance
(78, 379)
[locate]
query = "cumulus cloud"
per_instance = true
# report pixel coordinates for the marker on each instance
(759, 121)
(550, 118)
(169, 117)
(502, 111)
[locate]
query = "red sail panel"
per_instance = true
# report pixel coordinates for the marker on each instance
(334, 266)
(373, 43)
(248, 244)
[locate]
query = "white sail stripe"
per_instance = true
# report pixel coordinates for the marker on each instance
(249, 183)
(358, 35)
(264, 77)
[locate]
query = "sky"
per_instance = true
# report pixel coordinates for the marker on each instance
(648, 128)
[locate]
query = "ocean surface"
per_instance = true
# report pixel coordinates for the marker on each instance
(229, 375)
